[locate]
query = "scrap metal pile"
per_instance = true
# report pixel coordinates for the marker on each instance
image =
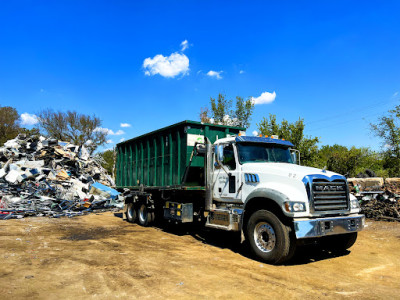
(42, 177)
(379, 198)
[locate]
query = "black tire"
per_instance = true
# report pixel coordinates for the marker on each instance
(153, 217)
(131, 214)
(270, 240)
(339, 243)
(144, 216)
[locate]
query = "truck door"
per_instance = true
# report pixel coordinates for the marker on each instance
(226, 187)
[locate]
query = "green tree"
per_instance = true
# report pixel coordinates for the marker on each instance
(73, 127)
(243, 112)
(342, 160)
(222, 113)
(9, 123)
(108, 161)
(220, 108)
(293, 132)
(388, 129)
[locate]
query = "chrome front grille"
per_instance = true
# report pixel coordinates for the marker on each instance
(329, 195)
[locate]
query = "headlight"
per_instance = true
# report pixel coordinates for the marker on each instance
(354, 204)
(295, 206)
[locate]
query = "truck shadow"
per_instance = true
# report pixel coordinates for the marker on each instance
(311, 254)
(305, 254)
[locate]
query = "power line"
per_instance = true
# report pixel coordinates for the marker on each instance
(347, 121)
(365, 108)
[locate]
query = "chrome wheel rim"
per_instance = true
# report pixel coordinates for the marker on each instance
(130, 212)
(264, 237)
(142, 213)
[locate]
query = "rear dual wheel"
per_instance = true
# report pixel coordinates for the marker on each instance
(131, 214)
(145, 217)
(140, 214)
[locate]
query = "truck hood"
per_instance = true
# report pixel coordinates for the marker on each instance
(286, 170)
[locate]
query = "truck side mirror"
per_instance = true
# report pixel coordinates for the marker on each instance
(219, 151)
(295, 154)
(294, 157)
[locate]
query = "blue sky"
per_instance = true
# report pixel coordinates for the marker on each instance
(336, 64)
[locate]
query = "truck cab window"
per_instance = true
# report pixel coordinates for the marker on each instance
(229, 157)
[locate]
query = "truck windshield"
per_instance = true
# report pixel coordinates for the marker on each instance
(249, 153)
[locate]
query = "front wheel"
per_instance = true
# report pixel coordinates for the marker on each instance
(270, 239)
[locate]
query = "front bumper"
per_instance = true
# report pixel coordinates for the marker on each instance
(309, 228)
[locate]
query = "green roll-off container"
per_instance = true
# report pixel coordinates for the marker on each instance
(159, 159)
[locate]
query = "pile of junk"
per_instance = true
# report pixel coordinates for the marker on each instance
(379, 197)
(47, 177)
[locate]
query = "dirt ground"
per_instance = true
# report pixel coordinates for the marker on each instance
(101, 256)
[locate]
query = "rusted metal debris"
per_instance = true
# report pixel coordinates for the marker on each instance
(379, 198)
(42, 177)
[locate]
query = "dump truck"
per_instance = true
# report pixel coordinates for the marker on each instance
(217, 177)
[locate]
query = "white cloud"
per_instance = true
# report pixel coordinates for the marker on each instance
(167, 66)
(184, 45)
(109, 142)
(241, 72)
(121, 140)
(109, 131)
(255, 133)
(264, 98)
(104, 130)
(395, 94)
(123, 125)
(28, 119)
(119, 132)
(216, 74)
(88, 142)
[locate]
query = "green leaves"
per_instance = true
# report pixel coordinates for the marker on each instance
(293, 132)
(388, 129)
(73, 127)
(9, 123)
(222, 112)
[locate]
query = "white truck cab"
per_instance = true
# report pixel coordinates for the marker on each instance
(258, 188)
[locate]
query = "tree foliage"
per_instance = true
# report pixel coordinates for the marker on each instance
(9, 123)
(72, 127)
(243, 112)
(339, 159)
(388, 129)
(293, 132)
(350, 161)
(222, 113)
(108, 158)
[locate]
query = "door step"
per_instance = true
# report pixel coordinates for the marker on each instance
(226, 219)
